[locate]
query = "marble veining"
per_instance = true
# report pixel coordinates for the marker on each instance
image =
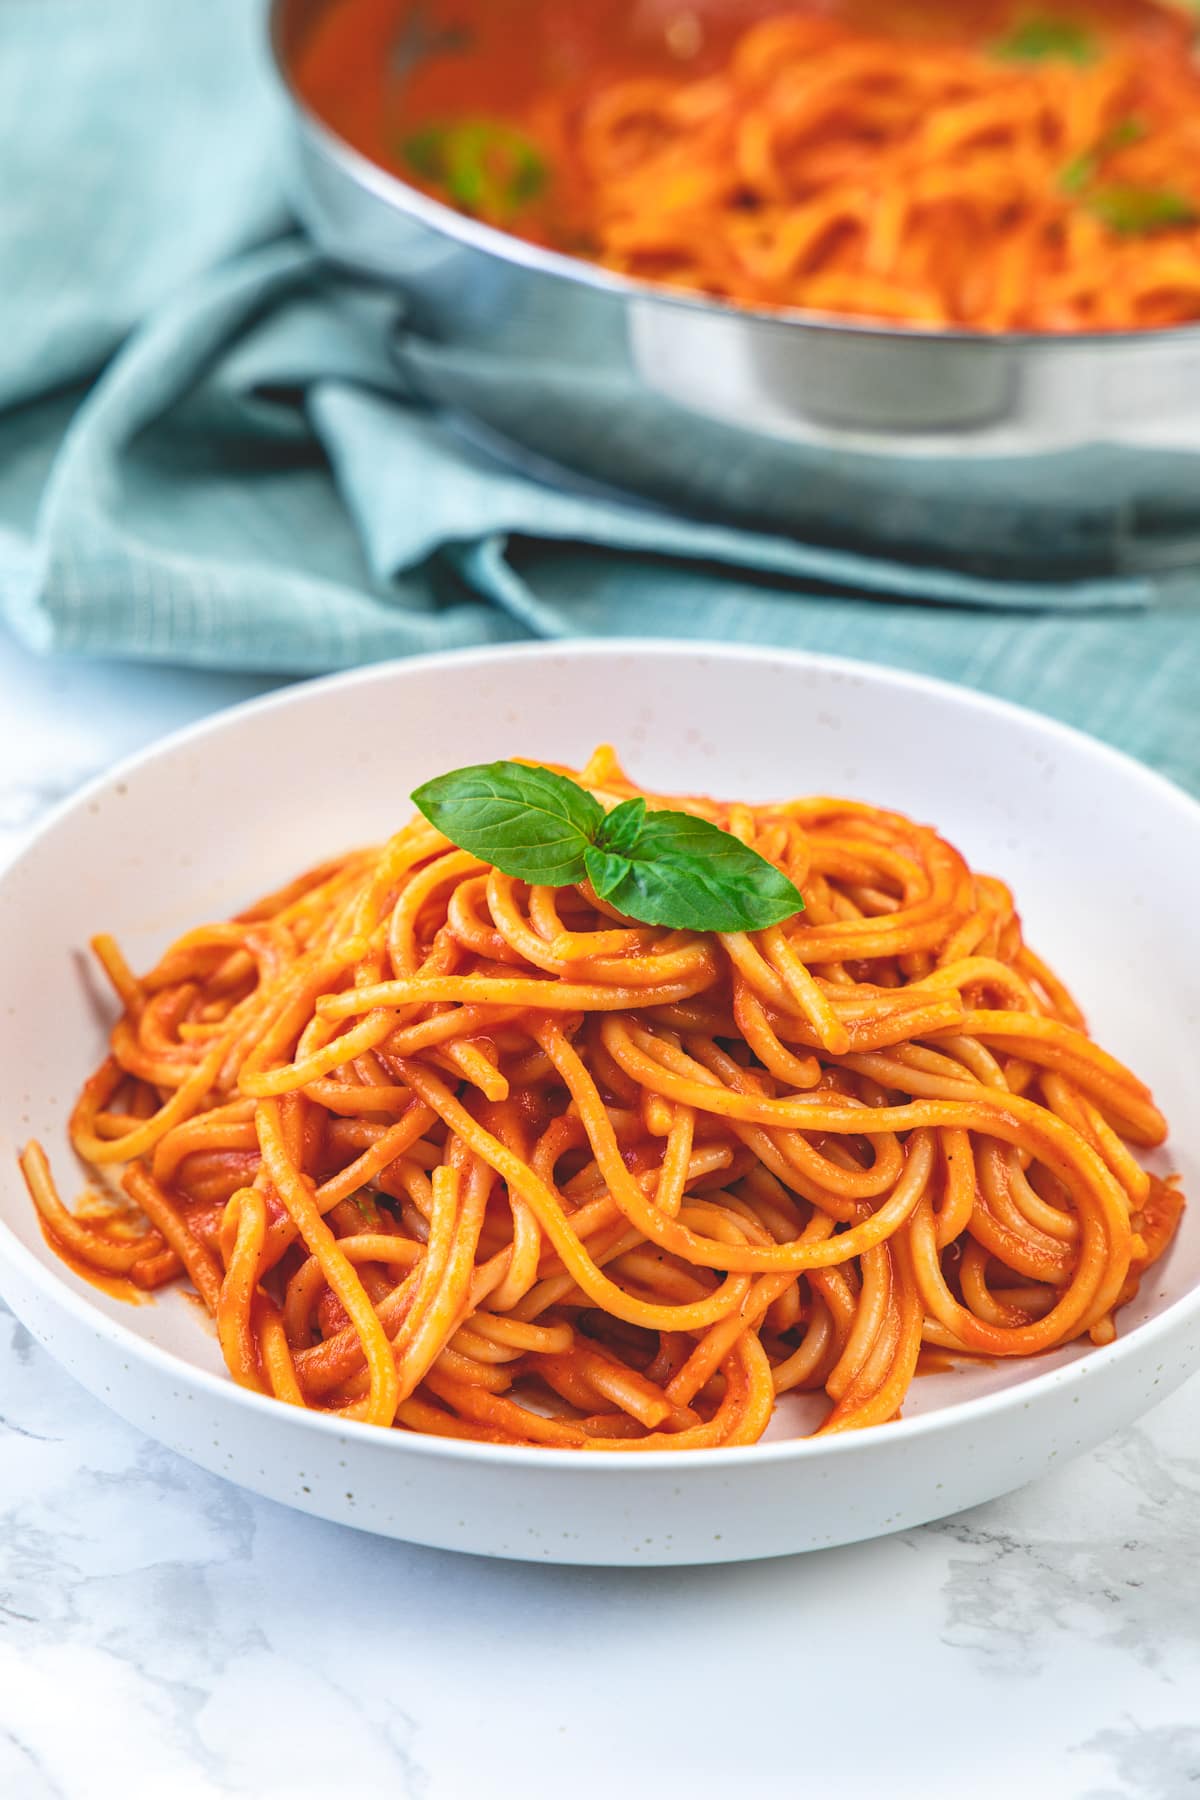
(1160, 1764)
(164, 1634)
(1028, 1580)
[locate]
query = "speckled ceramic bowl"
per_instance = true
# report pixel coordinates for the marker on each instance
(1105, 861)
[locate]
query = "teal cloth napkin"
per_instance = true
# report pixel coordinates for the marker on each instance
(209, 454)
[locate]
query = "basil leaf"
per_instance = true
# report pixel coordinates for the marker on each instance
(1133, 210)
(606, 870)
(619, 829)
(365, 1205)
(1078, 174)
(1082, 170)
(485, 166)
(1125, 132)
(528, 822)
(687, 873)
(1046, 40)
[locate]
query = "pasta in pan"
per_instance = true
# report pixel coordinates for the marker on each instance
(984, 166)
(943, 186)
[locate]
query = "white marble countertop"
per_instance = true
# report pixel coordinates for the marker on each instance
(165, 1634)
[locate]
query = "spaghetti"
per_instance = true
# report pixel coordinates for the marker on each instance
(442, 1151)
(986, 168)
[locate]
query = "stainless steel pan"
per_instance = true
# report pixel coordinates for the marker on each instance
(1012, 453)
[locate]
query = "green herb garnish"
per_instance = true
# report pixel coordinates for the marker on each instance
(485, 166)
(1132, 211)
(662, 867)
(366, 1207)
(1082, 170)
(1047, 40)
(1124, 207)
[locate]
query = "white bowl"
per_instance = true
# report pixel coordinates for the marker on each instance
(1105, 860)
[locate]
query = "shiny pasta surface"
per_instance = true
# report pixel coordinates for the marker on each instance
(445, 1152)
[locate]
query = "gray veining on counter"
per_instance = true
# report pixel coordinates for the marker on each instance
(1047, 1567)
(164, 1634)
(1153, 1765)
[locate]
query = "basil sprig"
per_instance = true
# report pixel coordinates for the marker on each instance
(1124, 207)
(486, 167)
(1047, 40)
(662, 867)
(1137, 211)
(1080, 173)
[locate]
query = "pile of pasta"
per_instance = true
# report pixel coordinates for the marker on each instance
(921, 179)
(441, 1151)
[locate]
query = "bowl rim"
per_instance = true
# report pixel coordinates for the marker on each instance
(47, 1281)
(488, 240)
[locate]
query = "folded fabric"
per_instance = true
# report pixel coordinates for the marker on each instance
(213, 450)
